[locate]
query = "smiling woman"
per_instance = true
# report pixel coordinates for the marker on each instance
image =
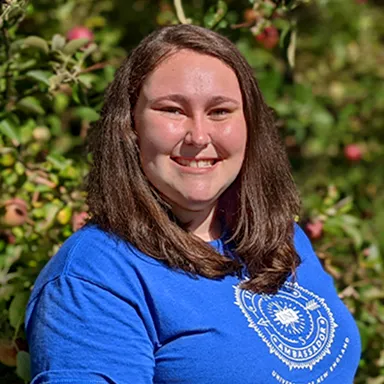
(192, 135)
(191, 269)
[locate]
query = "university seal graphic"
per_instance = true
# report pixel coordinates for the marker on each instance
(295, 324)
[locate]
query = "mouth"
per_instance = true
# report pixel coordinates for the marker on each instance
(195, 163)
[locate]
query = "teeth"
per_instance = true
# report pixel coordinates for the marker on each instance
(196, 164)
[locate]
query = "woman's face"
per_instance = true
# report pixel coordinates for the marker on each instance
(191, 129)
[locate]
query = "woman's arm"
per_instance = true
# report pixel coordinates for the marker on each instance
(81, 332)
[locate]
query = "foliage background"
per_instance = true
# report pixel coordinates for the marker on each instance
(320, 66)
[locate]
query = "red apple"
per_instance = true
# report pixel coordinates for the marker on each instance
(80, 32)
(11, 239)
(250, 15)
(269, 38)
(165, 7)
(8, 353)
(353, 152)
(314, 229)
(8, 236)
(16, 212)
(79, 219)
(278, 14)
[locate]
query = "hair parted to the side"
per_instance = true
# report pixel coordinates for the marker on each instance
(258, 209)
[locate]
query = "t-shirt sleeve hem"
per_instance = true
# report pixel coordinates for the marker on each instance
(71, 377)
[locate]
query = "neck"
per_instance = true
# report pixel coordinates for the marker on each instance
(204, 224)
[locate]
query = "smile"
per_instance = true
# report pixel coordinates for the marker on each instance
(195, 163)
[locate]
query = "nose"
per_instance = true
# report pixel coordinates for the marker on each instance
(198, 133)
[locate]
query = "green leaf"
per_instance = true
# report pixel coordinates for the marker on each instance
(58, 161)
(215, 14)
(58, 42)
(74, 45)
(333, 226)
(16, 45)
(87, 79)
(39, 75)
(30, 104)
(56, 80)
(322, 118)
(78, 93)
(23, 368)
(20, 168)
(51, 210)
(303, 93)
(355, 234)
(87, 114)
(60, 102)
(36, 42)
(365, 334)
(10, 131)
(17, 309)
(350, 220)
(89, 50)
(13, 256)
(25, 65)
(26, 130)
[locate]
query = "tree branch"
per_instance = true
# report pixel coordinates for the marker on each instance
(180, 12)
(7, 75)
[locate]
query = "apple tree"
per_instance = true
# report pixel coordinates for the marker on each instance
(319, 64)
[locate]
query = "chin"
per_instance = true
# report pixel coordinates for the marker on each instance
(197, 203)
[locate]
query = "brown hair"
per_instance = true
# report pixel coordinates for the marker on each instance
(258, 209)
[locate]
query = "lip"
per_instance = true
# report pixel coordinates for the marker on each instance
(193, 170)
(194, 158)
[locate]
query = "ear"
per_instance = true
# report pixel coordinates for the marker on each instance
(135, 137)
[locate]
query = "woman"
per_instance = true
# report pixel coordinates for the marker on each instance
(192, 269)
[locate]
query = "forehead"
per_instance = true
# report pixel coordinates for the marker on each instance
(192, 73)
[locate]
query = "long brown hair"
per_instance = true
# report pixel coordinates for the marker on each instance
(258, 209)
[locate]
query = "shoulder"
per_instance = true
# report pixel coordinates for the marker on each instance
(86, 247)
(310, 263)
(94, 256)
(303, 245)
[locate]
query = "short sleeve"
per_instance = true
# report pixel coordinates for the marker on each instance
(81, 332)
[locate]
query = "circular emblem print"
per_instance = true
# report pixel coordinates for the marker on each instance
(296, 324)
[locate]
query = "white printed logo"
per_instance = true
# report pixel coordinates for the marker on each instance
(296, 324)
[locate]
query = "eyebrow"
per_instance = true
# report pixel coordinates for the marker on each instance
(183, 99)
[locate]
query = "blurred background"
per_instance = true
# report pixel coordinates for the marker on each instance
(320, 64)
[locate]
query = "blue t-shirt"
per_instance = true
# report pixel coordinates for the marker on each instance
(103, 312)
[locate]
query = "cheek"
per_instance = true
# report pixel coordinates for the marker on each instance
(157, 136)
(233, 137)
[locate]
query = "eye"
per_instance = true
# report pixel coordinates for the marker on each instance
(172, 110)
(220, 112)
